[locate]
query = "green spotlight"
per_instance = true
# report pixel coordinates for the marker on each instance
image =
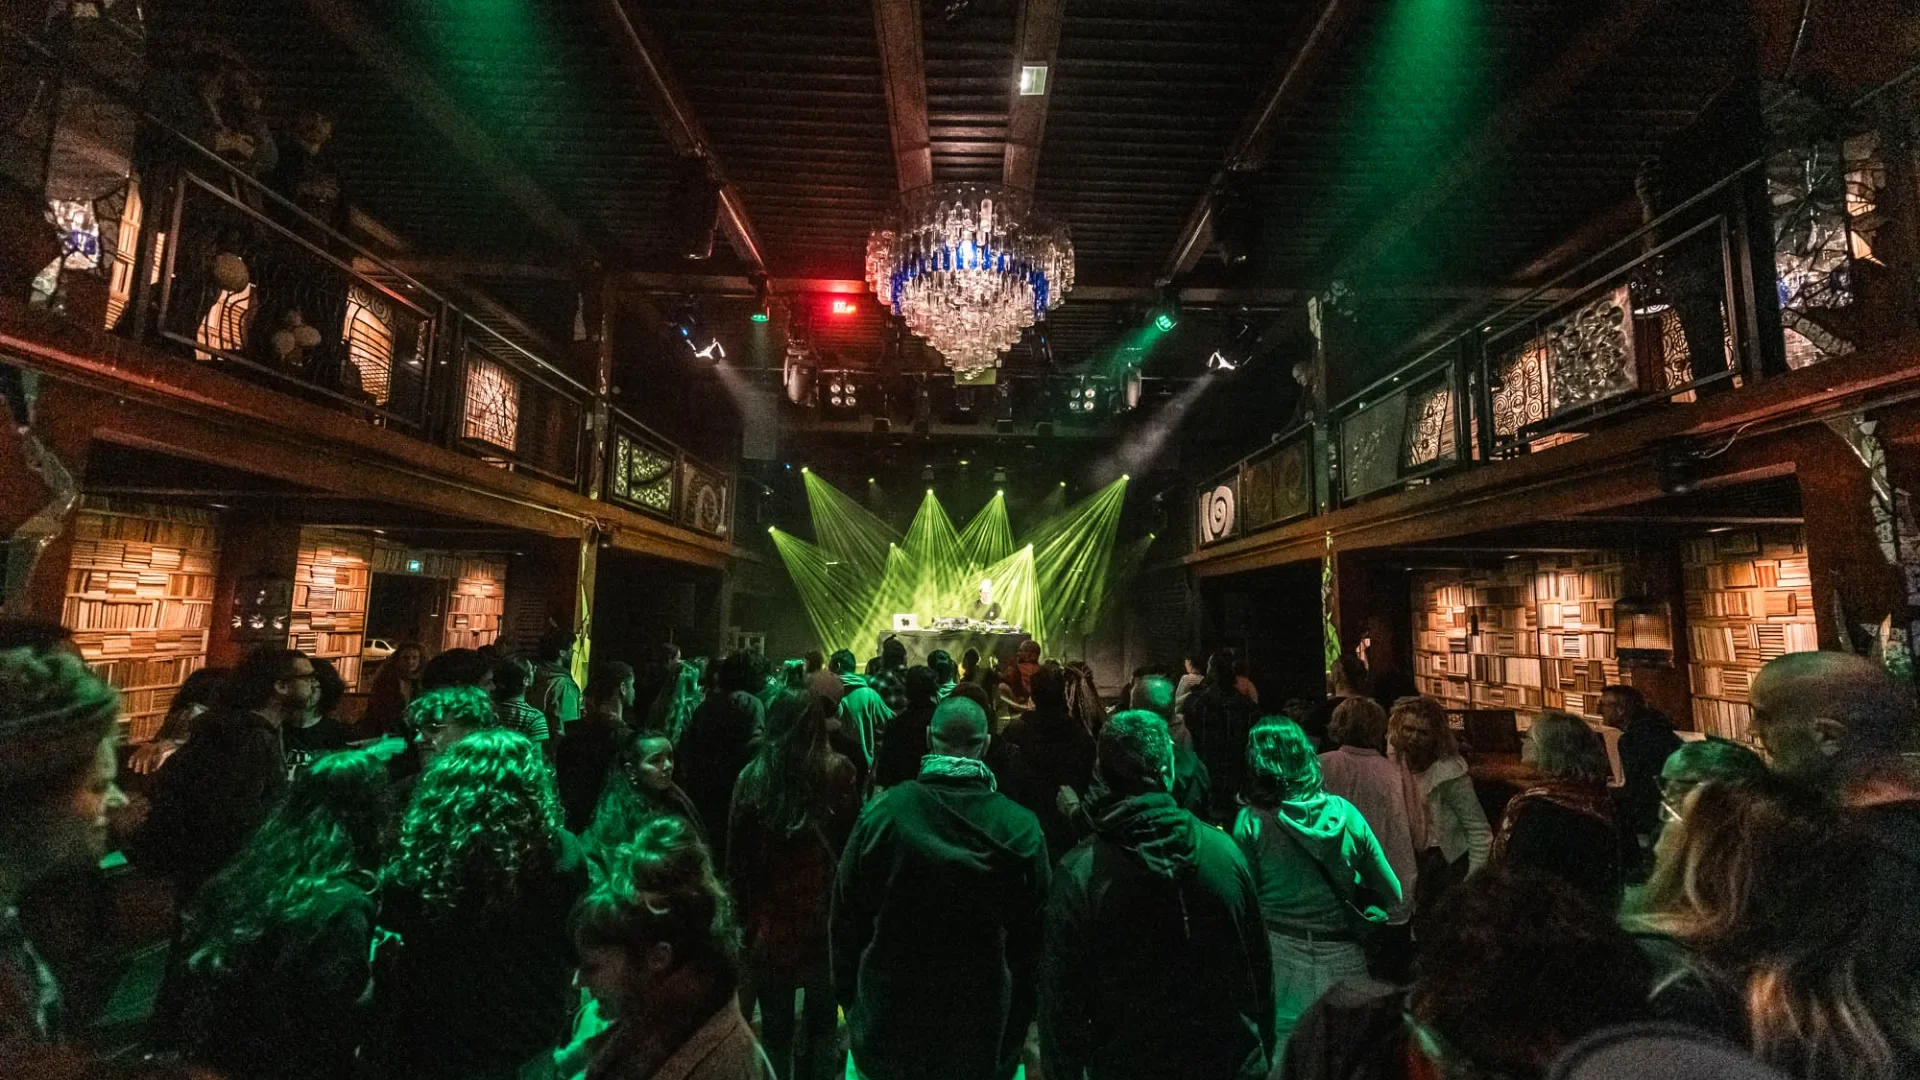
(760, 316)
(1063, 483)
(1123, 476)
(1165, 321)
(870, 480)
(1001, 494)
(929, 491)
(803, 468)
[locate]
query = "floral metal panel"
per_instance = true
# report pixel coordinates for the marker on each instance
(1371, 442)
(1590, 353)
(492, 407)
(641, 475)
(1277, 486)
(1520, 390)
(706, 505)
(1429, 427)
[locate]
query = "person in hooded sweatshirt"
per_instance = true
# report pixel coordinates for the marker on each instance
(1310, 853)
(1156, 962)
(938, 908)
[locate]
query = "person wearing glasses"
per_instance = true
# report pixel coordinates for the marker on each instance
(226, 779)
(1717, 760)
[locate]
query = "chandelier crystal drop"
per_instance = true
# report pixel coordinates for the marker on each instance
(969, 266)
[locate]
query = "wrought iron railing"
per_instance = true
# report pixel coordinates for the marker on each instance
(244, 291)
(1268, 488)
(646, 472)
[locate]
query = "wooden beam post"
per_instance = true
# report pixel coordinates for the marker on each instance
(1291, 79)
(1593, 46)
(1036, 42)
(646, 61)
(903, 68)
(345, 21)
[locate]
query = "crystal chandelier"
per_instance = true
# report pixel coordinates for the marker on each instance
(969, 266)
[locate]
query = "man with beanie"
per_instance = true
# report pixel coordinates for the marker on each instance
(1156, 962)
(56, 791)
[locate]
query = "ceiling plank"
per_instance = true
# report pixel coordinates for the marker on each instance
(1595, 45)
(641, 53)
(1291, 79)
(903, 68)
(346, 22)
(1036, 42)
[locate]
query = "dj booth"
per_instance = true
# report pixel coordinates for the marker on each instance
(919, 643)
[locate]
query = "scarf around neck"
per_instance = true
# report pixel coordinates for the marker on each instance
(948, 767)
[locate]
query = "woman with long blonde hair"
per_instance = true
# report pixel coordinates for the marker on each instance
(1757, 911)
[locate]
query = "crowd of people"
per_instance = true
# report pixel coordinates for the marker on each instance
(698, 870)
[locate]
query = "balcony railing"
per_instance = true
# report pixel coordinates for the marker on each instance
(645, 472)
(1668, 315)
(242, 280)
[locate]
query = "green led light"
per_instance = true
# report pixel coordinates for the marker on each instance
(760, 316)
(1164, 321)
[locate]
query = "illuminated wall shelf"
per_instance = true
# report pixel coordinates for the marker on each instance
(139, 601)
(330, 585)
(1534, 634)
(1749, 599)
(476, 601)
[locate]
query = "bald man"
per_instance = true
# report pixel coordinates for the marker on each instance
(1191, 781)
(937, 916)
(1835, 719)
(1840, 721)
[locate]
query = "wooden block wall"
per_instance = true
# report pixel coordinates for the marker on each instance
(139, 600)
(1534, 634)
(1749, 599)
(476, 601)
(330, 584)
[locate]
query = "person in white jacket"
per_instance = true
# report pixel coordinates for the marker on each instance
(1458, 837)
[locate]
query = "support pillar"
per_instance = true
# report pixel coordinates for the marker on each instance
(251, 552)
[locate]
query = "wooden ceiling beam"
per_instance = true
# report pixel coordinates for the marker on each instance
(903, 68)
(1593, 46)
(346, 22)
(646, 60)
(1036, 43)
(1290, 81)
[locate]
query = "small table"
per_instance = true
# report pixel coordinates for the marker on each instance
(921, 643)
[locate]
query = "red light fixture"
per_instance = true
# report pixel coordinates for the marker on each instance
(845, 307)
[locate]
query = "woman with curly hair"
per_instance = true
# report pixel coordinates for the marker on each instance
(1759, 915)
(659, 952)
(478, 891)
(1311, 854)
(792, 810)
(276, 945)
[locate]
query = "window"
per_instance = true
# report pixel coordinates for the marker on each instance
(368, 334)
(492, 413)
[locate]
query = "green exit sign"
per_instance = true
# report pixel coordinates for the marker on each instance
(413, 566)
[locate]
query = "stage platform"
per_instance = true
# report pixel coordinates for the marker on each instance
(919, 643)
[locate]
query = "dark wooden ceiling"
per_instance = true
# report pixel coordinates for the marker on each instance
(1146, 100)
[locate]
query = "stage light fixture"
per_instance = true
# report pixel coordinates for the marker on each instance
(1220, 361)
(762, 300)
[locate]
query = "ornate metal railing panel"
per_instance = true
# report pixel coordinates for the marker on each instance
(508, 413)
(1658, 328)
(1407, 433)
(243, 291)
(642, 473)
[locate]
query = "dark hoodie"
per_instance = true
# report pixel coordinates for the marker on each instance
(937, 911)
(1156, 957)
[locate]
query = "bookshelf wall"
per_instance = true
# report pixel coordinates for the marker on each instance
(1749, 599)
(1535, 633)
(330, 583)
(139, 600)
(476, 603)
